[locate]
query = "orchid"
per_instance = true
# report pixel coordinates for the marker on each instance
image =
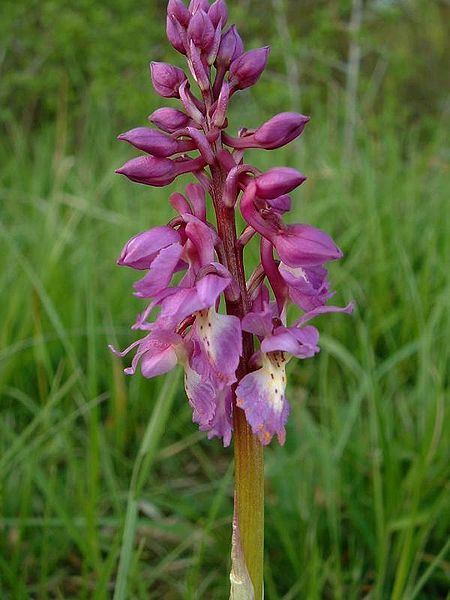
(234, 352)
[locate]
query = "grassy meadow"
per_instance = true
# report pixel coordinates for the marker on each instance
(357, 500)
(107, 489)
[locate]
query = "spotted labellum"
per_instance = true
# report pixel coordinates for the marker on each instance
(234, 352)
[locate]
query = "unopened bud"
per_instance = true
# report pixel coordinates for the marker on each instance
(169, 119)
(231, 47)
(201, 30)
(149, 170)
(277, 182)
(176, 34)
(155, 142)
(218, 13)
(177, 9)
(166, 79)
(150, 141)
(280, 130)
(247, 69)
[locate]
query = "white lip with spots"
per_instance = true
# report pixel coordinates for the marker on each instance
(274, 369)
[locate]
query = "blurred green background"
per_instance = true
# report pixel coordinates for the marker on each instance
(94, 465)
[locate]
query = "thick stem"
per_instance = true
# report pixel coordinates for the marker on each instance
(248, 451)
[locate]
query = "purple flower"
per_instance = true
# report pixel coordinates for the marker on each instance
(194, 281)
(261, 393)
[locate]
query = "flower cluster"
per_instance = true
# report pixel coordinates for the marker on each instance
(190, 263)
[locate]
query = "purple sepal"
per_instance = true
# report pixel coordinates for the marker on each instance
(322, 310)
(300, 342)
(161, 272)
(247, 69)
(305, 246)
(140, 251)
(308, 287)
(158, 353)
(260, 322)
(166, 79)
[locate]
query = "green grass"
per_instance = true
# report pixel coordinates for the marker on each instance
(357, 500)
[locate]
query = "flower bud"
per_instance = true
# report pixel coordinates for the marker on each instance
(166, 79)
(305, 246)
(201, 30)
(277, 182)
(280, 130)
(176, 34)
(151, 141)
(247, 69)
(169, 119)
(177, 9)
(231, 47)
(149, 170)
(218, 13)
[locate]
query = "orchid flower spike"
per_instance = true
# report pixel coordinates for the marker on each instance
(206, 342)
(232, 339)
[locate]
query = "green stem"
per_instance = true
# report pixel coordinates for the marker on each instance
(248, 451)
(249, 498)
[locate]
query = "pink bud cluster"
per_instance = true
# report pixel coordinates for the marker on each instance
(223, 371)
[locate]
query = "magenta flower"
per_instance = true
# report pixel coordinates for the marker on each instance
(190, 328)
(225, 326)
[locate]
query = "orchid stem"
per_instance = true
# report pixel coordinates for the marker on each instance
(248, 451)
(249, 498)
